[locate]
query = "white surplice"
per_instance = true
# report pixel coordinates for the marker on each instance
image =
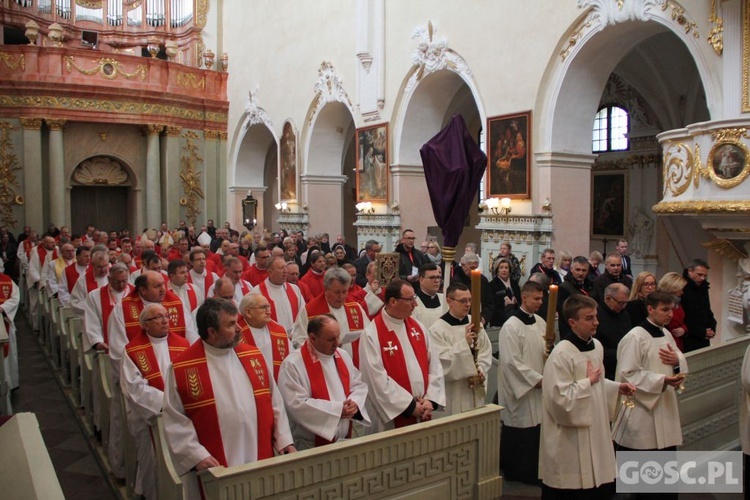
(283, 307)
(654, 422)
(81, 293)
(520, 365)
(310, 417)
(745, 406)
(428, 316)
(199, 282)
(235, 406)
(387, 400)
(142, 402)
(62, 292)
(10, 308)
(458, 365)
(182, 293)
(50, 276)
(576, 446)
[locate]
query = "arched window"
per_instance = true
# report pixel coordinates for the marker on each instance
(611, 126)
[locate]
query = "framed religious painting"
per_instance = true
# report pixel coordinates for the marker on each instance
(508, 156)
(609, 204)
(728, 161)
(372, 163)
(288, 158)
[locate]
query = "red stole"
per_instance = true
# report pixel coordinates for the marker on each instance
(279, 341)
(192, 297)
(108, 306)
(91, 283)
(132, 305)
(394, 361)
(354, 318)
(71, 275)
(197, 394)
(208, 280)
(28, 245)
(43, 254)
(293, 301)
(318, 387)
(141, 352)
(6, 291)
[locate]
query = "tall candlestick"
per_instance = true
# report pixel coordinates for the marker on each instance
(549, 334)
(476, 298)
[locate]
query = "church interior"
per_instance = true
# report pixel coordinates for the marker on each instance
(601, 120)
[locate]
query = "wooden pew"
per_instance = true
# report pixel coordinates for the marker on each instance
(26, 470)
(53, 310)
(106, 396)
(86, 360)
(168, 483)
(64, 314)
(5, 385)
(131, 454)
(452, 457)
(75, 327)
(709, 405)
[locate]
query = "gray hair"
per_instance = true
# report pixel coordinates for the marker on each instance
(614, 289)
(336, 274)
(119, 267)
(99, 251)
(248, 299)
(469, 258)
(143, 318)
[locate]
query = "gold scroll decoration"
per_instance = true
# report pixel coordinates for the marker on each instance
(91, 4)
(191, 80)
(14, 62)
(191, 177)
(8, 180)
(679, 164)
(387, 267)
(108, 67)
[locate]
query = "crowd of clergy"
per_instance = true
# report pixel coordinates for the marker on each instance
(255, 345)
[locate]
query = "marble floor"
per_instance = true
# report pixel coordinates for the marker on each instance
(81, 474)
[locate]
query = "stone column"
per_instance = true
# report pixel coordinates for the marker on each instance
(565, 178)
(223, 185)
(32, 173)
(153, 177)
(171, 185)
(731, 13)
(211, 174)
(57, 212)
(324, 195)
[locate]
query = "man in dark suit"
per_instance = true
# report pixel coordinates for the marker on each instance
(699, 318)
(372, 249)
(622, 249)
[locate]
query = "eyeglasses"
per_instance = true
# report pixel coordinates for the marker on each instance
(163, 317)
(462, 301)
(266, 307)
(413, 298)
(620, 302)
(649, 285)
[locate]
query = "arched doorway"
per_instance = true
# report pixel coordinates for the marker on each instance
(256, 170)
(101, 195)
(654, 56)
(426, 110)
(329, 172)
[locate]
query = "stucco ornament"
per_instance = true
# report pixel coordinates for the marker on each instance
(100, 171)
(254, 113)
(330, 86)
(619, 11)
(431, 50)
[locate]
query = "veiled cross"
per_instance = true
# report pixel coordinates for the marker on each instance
(390, 347)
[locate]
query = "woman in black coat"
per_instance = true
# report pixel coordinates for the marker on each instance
(506, 293)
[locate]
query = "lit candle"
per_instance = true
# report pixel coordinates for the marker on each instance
(476, 298)
(549, 334)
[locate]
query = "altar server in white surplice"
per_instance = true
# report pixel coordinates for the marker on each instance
(578, 403)
(648, 358)
(519, 386)
(147, 357)
(431, 305)
(322, 389)
(10, 296)
(453, 339)
(399, 364)
(236, 415)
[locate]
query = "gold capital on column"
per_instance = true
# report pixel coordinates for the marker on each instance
(152, 129)
(173, 131)
(211, 135)
(55, 123)
(223, 136)
(31, 123)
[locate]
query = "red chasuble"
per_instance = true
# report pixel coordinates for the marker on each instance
(108, 306)
(254, 275)
(354, 316)
(318, 387)
(91, 283)
(197, 394)
(393, 357)
(43, 254)
(141, 352)
(279, 342)
(132, 305)
(6, 291)
(293, 300)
